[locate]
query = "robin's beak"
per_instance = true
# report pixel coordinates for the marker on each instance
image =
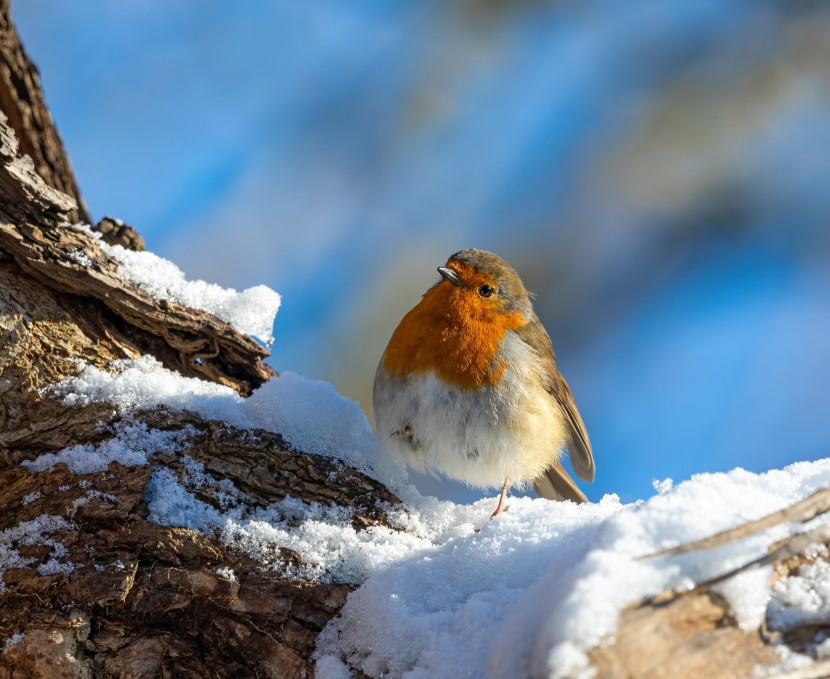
(450, 275)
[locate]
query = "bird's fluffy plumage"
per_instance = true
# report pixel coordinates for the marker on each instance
(468, 385)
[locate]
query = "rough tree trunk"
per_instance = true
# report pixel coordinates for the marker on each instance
(145, 600)
(21, 99)
(162, 610)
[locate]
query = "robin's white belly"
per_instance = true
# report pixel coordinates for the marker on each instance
(480, 436)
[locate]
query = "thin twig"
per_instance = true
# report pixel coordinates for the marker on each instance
(793, 545)
(802, 511)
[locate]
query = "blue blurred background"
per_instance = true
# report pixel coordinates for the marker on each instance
(658, 172)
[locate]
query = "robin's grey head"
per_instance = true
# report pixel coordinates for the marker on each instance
(488, 276)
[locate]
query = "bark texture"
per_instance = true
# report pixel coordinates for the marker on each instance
(141, 600)
(690, 637)
(21, 98)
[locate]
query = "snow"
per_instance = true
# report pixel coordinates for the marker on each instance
(79, 257)
(332, 668)
(227, 573)
(13, 640)
(28, 533)
(537, 587)
(310, 414)
(55, 567)
(332, 551)
(436, 613)
(442, 591)
(802, 599)
(131, 445)
(445, 592)
(251, 311)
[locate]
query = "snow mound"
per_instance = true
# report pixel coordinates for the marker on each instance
(541, 585)
(251, 311)
(444, 592)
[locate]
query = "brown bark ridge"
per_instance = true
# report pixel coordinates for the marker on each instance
(35, 235)
(21, 99)
(689, 637)
(135, 599)
(116, 232)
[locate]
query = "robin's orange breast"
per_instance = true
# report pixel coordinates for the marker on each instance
(449, 333)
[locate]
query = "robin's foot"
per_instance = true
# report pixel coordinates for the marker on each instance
(499, 508)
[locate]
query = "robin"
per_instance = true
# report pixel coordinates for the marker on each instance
(468, 386)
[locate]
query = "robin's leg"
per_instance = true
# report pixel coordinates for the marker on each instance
(501, 499)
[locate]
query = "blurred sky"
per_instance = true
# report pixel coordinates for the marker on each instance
(657, 172)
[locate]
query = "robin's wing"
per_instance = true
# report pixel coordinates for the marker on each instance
(582, 459)
(555, 484)
(579, 445)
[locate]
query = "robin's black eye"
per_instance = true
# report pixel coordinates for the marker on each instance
(485, 291)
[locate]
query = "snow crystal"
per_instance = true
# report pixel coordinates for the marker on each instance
(131, 445)
(90, 495)
(329, 667)
(802, 599)
(748, 593)
(226, 573)
(251, 311)
(54, 567)
(28, 533)
(13, 640)
(79, 257)
(31, 497)
(790, 662)
(224, 491)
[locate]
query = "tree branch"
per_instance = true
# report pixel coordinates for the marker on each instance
(21, 99)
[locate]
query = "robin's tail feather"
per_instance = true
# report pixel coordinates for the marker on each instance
(555, 484)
